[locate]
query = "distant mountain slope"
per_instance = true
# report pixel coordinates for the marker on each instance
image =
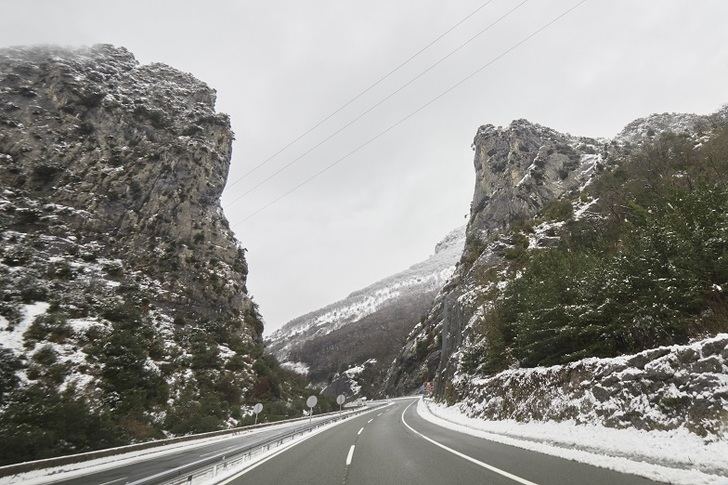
(368, 324)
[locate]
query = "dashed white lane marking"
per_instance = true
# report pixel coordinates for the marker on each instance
(281, 450)
(350, 455)
(380, 414)
(503, 473)
(362, 429)
(370, 420)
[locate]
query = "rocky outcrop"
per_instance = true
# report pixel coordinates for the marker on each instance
(525, 174)
(369, 325)
(661, 389)
(519, 169)
(114, 251)
(358, 380)
(136, 154)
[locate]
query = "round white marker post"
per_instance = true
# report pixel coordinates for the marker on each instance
(257, 409)
(340, 400)
(311, 402)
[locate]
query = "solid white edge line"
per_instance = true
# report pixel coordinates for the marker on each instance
(464, 456)
(285, 448)
(350, 455)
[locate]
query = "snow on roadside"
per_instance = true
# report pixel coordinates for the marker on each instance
(676, 456)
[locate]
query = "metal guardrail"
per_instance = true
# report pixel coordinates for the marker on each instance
(17, 468)
(206, 470)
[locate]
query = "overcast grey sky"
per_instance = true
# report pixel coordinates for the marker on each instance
(281, 65)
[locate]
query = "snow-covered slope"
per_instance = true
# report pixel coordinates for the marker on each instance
(397, 301)
(425, 276)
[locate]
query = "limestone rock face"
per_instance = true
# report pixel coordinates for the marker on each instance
(522, 166)
(110, 179)
(518, 170)
(140, 149)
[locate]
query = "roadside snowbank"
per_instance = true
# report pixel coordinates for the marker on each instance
(677, 387)
(675, 456)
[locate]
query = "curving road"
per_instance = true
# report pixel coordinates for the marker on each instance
(393, 445)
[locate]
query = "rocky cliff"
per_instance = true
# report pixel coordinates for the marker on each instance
(518, 170)
(348, 345)
(551, 211)
(122, 286)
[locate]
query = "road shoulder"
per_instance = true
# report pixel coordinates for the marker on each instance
(599, 458)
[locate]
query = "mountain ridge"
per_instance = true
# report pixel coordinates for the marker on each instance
(411, 288)
(448, 243)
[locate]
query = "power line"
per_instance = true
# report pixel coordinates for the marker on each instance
(379, 103)
(421, 108)
(362, 93)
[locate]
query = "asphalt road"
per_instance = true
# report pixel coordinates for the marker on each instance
(157, 463)
(379, 448)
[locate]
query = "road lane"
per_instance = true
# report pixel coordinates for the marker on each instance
(321, 459)
(381, 449)
(388, 453)
(537, 467)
